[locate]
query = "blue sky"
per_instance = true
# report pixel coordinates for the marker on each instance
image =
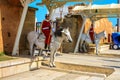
(40, 13)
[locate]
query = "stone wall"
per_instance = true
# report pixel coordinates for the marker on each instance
(10, 17)
(74, 30)
(11, 11)
(1, 39)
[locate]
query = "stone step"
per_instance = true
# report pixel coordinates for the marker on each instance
(101, 48)
(50, 74)
(19, 65)
(12, 67)
(81, 69)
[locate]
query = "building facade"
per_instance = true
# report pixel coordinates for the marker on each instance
(100, 25)
(10, 15)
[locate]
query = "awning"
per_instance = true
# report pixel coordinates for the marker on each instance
(98, 11)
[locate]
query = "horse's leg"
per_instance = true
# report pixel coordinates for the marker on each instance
(84, 46)
(31, 49)
(87, 46)
(97, 46)
(40, 52)
(96, 49)
(53, 63)
(44, 54)
(52, 58)
(80, 48)
(34, 49)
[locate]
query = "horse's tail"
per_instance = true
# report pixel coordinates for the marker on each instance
(26, 42)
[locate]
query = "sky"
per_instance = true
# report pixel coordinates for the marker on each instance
(42, 10)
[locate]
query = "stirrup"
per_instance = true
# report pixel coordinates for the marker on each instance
(48, 52)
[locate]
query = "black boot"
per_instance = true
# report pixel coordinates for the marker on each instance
(48, 50)
(48, 47)
(45, 46)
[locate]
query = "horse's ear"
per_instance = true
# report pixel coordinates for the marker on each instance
(68, 28)
(63, 31)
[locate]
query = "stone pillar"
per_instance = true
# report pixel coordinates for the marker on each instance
(1, 40)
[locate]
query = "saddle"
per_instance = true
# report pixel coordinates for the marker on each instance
(41, 37)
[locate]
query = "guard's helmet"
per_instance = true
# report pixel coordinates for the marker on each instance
(47, 15)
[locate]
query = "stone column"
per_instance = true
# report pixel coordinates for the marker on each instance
(1, 40)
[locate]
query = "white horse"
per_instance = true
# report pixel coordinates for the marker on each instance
(57, 38)
(86, 39)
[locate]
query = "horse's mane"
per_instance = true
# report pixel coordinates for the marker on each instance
(58, 32)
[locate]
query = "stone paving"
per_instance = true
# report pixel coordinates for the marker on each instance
(98, 61)
(111, 51)
(43, 74)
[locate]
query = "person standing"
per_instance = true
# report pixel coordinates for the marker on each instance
(46, 30)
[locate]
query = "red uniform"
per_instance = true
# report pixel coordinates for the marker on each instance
(46, 29)
(91, 33)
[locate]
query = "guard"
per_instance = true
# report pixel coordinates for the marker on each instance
(46, 29)
(91, 33)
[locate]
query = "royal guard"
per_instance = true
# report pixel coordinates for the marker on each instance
(91, 33)
(46, 30)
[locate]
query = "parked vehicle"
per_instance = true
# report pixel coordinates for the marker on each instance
(116, 40)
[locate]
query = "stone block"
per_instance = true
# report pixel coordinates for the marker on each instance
(22, 68)
(0, 72)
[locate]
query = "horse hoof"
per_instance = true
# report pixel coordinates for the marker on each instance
(54, 66)
(97, 54)
(51, 66)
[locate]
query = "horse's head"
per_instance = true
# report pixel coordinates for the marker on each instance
(63, 30)
(66, 34)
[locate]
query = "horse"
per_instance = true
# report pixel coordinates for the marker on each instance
(86, 39)
(58, 37)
